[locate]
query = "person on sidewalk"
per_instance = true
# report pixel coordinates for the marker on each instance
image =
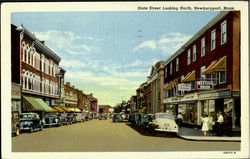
(179, 120)
(206, 125)
(219, 124)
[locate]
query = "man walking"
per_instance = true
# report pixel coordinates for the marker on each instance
(219, 124)
(179, 120)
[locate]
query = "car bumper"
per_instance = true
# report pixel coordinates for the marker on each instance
(167, 130)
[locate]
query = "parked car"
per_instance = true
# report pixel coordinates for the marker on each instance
(30, 122)
(164, 122)
(66, 119)
(80, 117)
(53, 119)
(103, 116)
(15, 122)
(73, 118)
(117, 118)
(145, 119)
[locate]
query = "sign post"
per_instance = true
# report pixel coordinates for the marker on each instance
(184, 87)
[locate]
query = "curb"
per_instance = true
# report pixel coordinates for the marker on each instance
(212, 140)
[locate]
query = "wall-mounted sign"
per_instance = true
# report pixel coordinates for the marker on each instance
(184, 87)
(204, 84)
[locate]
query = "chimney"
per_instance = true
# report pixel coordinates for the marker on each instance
(68, 84)
(73, 87)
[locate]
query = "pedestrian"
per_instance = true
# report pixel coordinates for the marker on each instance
(205, 125)
(219, 124)
(179, 120)
(210, 126)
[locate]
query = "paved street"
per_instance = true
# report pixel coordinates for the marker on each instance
(96, 135)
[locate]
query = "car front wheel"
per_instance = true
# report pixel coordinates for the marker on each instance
(31, 129)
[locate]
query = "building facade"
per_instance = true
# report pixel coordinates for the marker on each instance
(34, 68)
(203, 76)
(157, 82)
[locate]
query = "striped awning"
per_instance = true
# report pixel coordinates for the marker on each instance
(34, 104)
(59, 109)
(209, 68)
(216, 66)
(74, 110)
(66, 109)
(169, 86)
(189, 77)
(52, 109)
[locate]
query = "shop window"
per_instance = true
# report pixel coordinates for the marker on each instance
(222, 77)
(194, 53)
(224, 32)
(193, 85)
(213, 39)
(214, 78)
(202, 47)
(188, 57)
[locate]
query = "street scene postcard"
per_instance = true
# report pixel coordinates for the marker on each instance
(125, 79)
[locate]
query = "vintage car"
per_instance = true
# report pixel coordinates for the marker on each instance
(145, 119)
(15, 122)
(163, 122)
(103, 116)
(52, 119)
(66, 119)
(73, 118)
(117, 117)
(30, 122)
(80, 117)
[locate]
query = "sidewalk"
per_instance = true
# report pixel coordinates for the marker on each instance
(197, 134)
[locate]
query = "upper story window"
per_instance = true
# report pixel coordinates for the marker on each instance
(202, 46)
(188, 57)
(203, 77)
(46, 66)
(224, 32)
(213, 38)
(222, 77)
(166, 72)
(42, 63)
(177, 64)
(194, 53)
(171, 68)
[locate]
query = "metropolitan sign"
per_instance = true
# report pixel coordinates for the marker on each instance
(204, 84)
(184, 87)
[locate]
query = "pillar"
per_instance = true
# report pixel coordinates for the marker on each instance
(199, 110)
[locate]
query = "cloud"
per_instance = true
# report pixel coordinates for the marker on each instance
(65, 40)
(72, 64)
(171, 42)
(146, 44)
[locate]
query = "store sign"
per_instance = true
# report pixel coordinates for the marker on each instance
(184, 87)
(204, 84)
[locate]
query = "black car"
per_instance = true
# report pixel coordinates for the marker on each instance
(53, 119)
(30, 122)
(103, 117)
(66, 119)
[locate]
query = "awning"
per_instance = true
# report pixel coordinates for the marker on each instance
(169, 87)
(66, 109)
(143, 109)
(209, 68)
(34, 104)
(216, 66)
(189, 77)
(59, 109)
(74, 110)
(52, 109)
(220, 65)
(175, 83)
(180, 102)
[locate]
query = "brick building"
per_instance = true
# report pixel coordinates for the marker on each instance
(93, 105)
(33, 67)
(203, 76)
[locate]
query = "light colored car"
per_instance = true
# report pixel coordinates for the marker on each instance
(80, 117)
(164, 122)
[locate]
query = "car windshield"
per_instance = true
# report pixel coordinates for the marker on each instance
(165, 116)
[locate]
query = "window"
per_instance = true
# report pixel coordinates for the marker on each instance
(203, 77)
(171, 67)
(224, 32)
(166, 72)
(188, 57)
(222, 77)
(193, 85)
(202, 47)
(194, 53)
(42, 63)
(177, 64)
(214, 78)
(213, 38)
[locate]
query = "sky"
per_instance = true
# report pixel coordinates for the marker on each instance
(111, 53)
